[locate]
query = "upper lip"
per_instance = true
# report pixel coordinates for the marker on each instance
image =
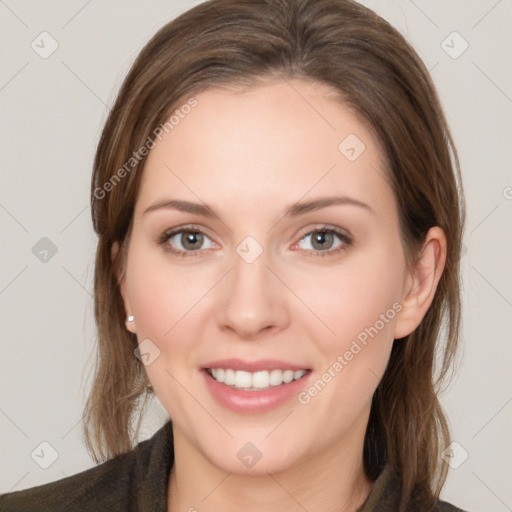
(254, 366)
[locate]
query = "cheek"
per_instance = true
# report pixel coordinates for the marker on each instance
(360, 306)
(356, 297)
(160, 293)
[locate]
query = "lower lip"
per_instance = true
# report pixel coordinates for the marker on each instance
(253, 402)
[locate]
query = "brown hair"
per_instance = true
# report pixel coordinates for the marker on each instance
(377, 73)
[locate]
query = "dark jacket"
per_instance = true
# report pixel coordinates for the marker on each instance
(137, 481)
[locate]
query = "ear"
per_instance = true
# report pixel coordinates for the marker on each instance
(120, 276)
(421, 283)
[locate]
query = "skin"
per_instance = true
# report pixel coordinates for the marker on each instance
(249, 154)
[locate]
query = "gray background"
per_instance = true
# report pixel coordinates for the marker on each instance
(52, 110)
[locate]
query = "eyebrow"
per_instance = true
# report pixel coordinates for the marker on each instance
(294, 210)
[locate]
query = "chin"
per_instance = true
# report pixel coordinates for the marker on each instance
(258, 457)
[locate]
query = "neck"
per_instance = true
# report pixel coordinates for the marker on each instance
(333, 481)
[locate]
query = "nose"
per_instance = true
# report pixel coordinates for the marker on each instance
(253, 299)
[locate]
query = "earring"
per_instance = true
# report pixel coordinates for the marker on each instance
(129, 320)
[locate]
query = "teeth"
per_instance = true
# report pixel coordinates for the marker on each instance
(298, 374)
(243, 380)
(229, 377)
(276, 377)
(254, 381)
(260, 380)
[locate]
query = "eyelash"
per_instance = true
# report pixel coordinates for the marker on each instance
(346, 239)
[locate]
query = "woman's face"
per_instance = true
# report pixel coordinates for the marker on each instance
(265, 247)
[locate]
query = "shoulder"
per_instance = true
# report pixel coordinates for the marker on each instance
(117, 484)
(97, 485)
(443, 506)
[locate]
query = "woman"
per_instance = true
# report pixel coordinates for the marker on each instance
(279, 211)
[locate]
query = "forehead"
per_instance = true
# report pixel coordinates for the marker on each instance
(273, 142)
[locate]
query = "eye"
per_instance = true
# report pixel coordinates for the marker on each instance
(186, 241)
(325, 241)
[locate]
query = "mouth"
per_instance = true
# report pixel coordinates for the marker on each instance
(254, 386)
(255, 381)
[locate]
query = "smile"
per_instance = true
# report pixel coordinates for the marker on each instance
(254, 381)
